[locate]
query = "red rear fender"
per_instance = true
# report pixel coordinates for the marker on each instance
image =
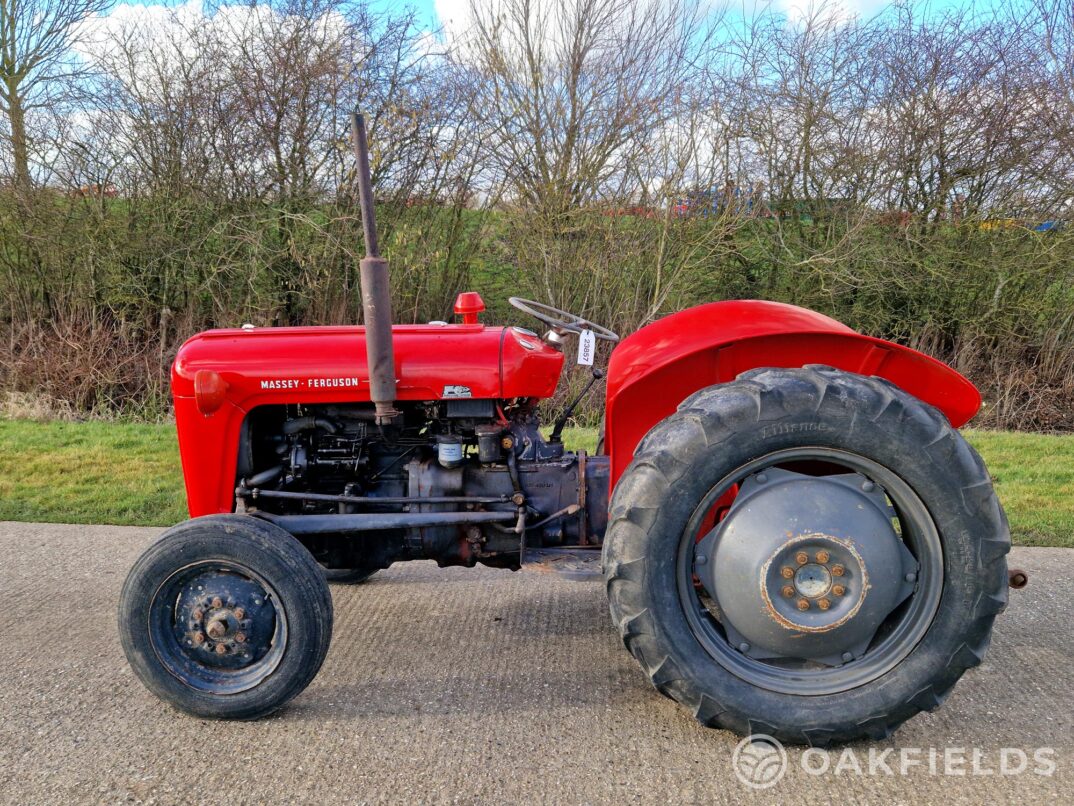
(662, 364)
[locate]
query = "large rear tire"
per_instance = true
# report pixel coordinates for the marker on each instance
(226, 616)
(828, 466)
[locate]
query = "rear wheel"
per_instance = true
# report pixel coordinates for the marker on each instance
(226, 616)
(806, 553)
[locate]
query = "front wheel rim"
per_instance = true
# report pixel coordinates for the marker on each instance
(218, 627)
(896, 637)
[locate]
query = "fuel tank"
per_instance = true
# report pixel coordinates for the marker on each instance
(257, 366)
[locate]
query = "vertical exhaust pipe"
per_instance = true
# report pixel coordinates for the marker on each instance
(376, 296)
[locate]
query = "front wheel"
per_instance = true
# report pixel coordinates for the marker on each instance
(225, 616)
(806, 553)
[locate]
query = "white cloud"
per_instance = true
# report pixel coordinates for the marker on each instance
(101, 31)
(162, 29)
(839, 11)
(548, 25)
(456, 17)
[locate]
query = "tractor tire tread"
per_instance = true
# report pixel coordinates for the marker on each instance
(300, 579)
(763, 395)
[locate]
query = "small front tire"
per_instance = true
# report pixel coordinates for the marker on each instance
(226, 617)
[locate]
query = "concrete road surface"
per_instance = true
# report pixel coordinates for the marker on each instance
(478, 686)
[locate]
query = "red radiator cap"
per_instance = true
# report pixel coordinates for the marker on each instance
(468, 305)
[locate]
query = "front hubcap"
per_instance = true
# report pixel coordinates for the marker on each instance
(225, 620)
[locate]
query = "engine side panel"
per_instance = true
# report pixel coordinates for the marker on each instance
(662, 364)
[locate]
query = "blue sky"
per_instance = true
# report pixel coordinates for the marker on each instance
(431, 12)
(426, 10)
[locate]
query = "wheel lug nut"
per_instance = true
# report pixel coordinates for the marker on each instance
(847, 657)
(198, 615)
(788, 591)
(220, 649)
(824, 604)
(743, 647)
(218, 602)
(822, 557)
(240, 637)
(803, 604)
(801, 557)
(838, 570)
(868, 487)
(838, 590)
(240, 613)
(786, 571)
(199, 638)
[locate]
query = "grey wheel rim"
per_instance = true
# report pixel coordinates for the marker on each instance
(895, 638)
(251, 621)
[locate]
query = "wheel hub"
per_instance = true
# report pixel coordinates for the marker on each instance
(805, 567)
(224, 620)
(812, 580)
(827, 582)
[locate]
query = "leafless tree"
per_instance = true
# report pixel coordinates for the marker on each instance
(571, 87)
(37, 67)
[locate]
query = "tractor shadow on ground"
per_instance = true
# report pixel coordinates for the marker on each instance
(538, 690)
(456, 642)
(417, 641)
(528, 606)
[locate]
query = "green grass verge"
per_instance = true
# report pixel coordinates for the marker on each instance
(97, 472)
(1034, 476)
(90, 472)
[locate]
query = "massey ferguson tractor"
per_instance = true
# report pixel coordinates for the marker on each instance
(794, 537)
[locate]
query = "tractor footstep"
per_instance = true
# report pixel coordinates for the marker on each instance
(578, 565)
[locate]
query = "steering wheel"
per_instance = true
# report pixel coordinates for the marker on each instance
(561, 320)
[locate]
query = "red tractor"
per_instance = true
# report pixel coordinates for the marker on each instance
(794, 537)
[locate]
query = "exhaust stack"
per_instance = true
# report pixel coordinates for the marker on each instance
(376, 297)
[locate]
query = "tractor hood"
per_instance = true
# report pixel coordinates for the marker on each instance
(255, 366)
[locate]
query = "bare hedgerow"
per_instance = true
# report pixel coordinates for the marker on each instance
(911, 174)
